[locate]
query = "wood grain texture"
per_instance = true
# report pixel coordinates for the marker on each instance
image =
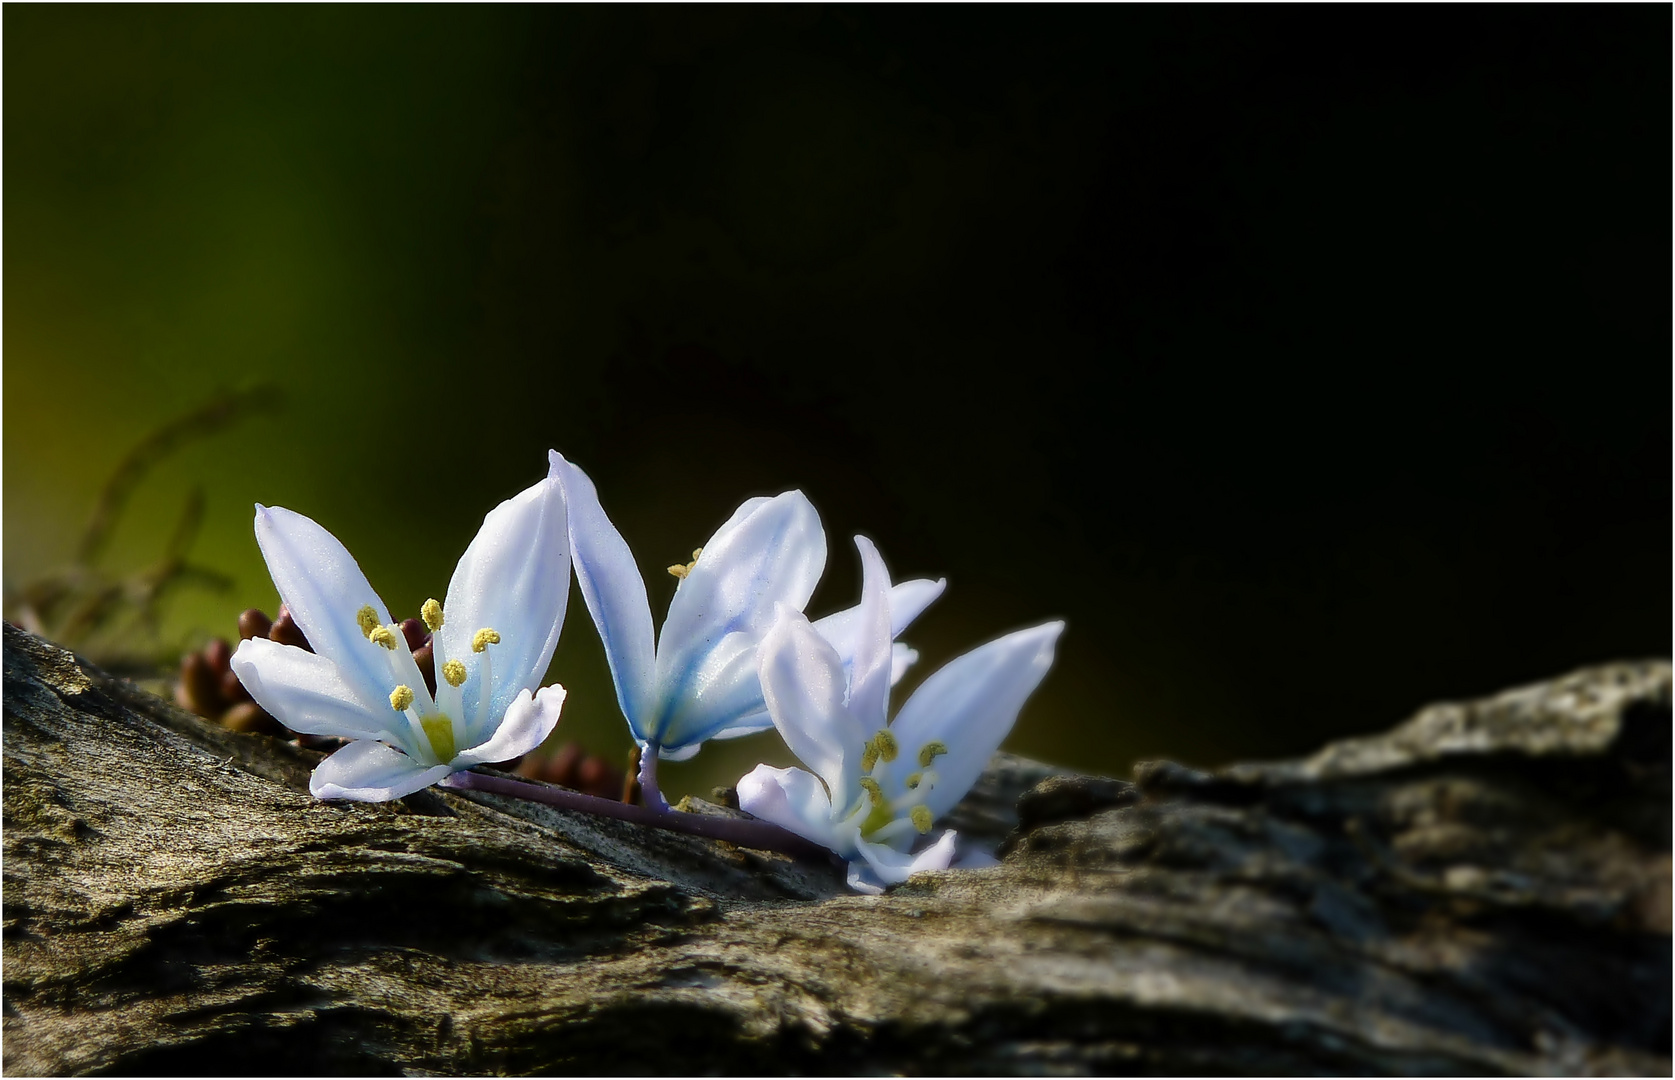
(1485, 889)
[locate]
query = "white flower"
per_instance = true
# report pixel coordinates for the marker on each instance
(492, 640)
(699, 682)
(877, 787)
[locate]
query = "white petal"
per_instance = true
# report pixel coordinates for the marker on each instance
(862, 879)
(528, 721)
(971, 704)
(323, 587)
(894, 867)
(869, 674)
(901, 658)
(369, 771)
(306, 693)
(803, 686)
(791, 799)
(614, 591)
(515, 579)
(769, 553)
(907, 600)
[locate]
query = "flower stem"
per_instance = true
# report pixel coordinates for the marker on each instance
(649, 790)
(762, 835)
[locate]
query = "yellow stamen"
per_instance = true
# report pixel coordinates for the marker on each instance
(921, 816)
(382, 635)
(440, 731)
(483, 638)
(401, 698)
(431, 613)
(454, 672)
(367, 619)
(878, 814)
(885, 742)
(680, 571)
(931, 751)
(913, 780)
(869, 758)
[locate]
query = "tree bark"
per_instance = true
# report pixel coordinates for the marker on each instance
(1484, 889)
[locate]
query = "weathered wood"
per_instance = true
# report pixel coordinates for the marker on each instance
(1485, 889)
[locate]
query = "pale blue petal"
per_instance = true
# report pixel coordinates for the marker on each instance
(722, 692)
(790, 798)
(970, 706)
(306, 693)
(678, 753)
(615, 594)
(869, 673)
(753, 724)
(803, 685)
(907, 600)
(514, 579)
(368, 771)
(529, 719)
(770, 552)
(323, 587)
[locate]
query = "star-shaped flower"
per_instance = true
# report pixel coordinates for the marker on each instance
(877, 786)
(493, 639)
(699, 681)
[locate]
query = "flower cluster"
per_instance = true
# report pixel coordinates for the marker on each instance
(736, 655)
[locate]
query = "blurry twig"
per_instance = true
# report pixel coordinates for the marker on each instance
(224, 409)
(74, 603)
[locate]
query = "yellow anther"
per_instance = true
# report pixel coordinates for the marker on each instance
(382, 635)
(885, 743)
(454, 672)
(483, 638)
(431, 613)
(931, 751)
(874, 792)
(680, 570)
(440, 731)
(401, 698)
(367, 619)
(921, 816)
(913, 780)
(869, 758)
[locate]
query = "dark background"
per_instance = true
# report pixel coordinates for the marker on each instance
(1312, 363)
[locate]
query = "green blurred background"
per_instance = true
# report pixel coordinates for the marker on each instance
(1312, 364)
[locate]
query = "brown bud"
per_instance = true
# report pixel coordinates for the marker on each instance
(425, 657)
(286, 631)
(233, 691)
(197, 689)
(219, 654)
(561, 766)
(725, 796)
(253, 623)
(249, 718)
(595, 775)
(415, 632)
(631, 779)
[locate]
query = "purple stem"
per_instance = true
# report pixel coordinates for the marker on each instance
(649, 790)
(761, 835)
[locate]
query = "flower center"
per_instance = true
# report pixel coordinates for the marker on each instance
(432, 723)
(883, 821)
